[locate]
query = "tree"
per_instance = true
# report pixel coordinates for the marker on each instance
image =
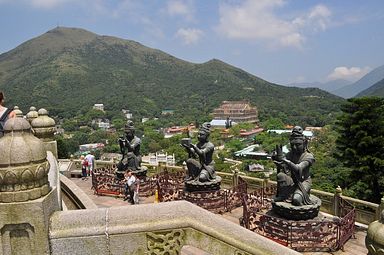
(62, 149)
(273, 123)
(360, 146)
(328, 172)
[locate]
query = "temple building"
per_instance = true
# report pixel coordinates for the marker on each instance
(237, 111)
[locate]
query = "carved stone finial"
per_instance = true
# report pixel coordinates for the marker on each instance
(339, 190)
(23, 165)
(32, 114)
(44, 126)
(18, 112)
(374, 241)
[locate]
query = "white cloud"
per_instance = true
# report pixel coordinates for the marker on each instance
(257, 20)
(180, 8)
(48, 4)
(189, 35)
(351, 74)
(319, 17)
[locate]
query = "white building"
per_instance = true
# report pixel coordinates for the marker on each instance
(159, 157)
(104, 125)
(99, 107)
(127, 114)
(91, 146)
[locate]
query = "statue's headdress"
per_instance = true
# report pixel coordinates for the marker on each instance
(129, 125)
(297, 134)
(206, 128)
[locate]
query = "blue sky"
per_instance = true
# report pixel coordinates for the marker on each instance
(280, 41)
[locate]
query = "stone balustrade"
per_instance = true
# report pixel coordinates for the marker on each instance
(153, 229)
(73, 197)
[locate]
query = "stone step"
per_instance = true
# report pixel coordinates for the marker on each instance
(191, 250)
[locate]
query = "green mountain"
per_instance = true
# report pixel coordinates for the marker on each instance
(376, 89)
(67, 70)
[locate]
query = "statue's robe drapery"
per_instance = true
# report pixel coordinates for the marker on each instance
(205, 164)
(291, 182)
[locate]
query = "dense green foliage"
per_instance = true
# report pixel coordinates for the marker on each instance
(360, 146)
(67, 70)
(328, 172)
(268, 141)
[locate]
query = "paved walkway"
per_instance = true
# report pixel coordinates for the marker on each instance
(105, 201)
(354, 246)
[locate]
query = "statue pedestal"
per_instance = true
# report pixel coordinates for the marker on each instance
(142, 172)
(195, 185)
(294, 212)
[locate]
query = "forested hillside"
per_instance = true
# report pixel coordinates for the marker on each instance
(67, 70)
(376, 89)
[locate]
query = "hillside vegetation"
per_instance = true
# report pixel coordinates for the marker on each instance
(376, 89)
(67, 70)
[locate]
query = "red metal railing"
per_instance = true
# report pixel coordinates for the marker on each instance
(310, 235)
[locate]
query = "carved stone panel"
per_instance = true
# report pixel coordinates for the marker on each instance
(166, 242)
(18, 239)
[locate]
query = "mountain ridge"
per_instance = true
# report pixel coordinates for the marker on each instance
(376, 89)
(328, 86)
(68, 70)
(362, 84)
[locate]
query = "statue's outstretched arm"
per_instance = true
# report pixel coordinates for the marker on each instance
(197, 150)
(190, 150)
(203, 151)
(122, 143)
(134, 143)
(296, 168)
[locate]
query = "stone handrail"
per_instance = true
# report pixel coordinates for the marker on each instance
(366, 212)
(153, 229)
(74, 197)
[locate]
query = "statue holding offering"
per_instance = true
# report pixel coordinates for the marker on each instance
(293, 177)
(200, 163)
(130, 150)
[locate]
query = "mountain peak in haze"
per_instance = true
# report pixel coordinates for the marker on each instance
(364, 83)
(329, 86)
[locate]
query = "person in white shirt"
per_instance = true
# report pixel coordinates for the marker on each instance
(91, 163)
(130, 186)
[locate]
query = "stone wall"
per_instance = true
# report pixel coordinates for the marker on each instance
(73, 197)
(153, 229)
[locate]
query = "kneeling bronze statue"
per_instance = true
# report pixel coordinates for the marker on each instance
(200, 164)
(293, 199)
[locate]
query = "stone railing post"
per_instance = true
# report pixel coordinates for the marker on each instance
(265, 183)
(235, 177)
(162, 166)
(26, 198)
(45, 128)
(380, 209)
(336, 201)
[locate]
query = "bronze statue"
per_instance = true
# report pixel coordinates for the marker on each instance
(200, 163)
(293, 177)
(130, 149)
